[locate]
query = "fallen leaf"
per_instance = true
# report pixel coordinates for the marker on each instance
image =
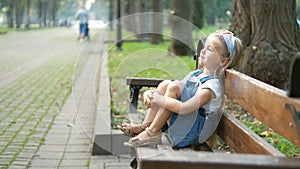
(266, 134)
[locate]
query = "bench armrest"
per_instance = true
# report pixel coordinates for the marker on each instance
(135, 84)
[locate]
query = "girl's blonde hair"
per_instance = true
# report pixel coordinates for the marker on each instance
(238, 49)
(232, 56)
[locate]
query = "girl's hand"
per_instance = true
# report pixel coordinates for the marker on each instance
(148, 98)
(158, 98)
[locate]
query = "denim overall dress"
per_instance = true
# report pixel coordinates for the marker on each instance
(184, 130)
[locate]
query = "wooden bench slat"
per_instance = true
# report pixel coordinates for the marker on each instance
(265, 102)
(138, 81)
(243, 140)
(161, 159)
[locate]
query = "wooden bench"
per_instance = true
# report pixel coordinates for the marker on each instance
(267, 103)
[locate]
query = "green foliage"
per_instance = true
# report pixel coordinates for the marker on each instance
(198, 14)
(276, 140)
(67, 8)
(215, 10)
(210, 12)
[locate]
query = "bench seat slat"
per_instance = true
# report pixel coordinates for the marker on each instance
(242, 139)
(161, 159)
(265, 102)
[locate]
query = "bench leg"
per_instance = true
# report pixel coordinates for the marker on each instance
(134, 164)
(134, 96)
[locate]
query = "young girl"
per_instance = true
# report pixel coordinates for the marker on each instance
(192, 106)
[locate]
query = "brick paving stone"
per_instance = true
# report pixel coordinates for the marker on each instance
(26, 155)
(74, 163)
(29, 149)
(57, 141)
(76, 155)
(98, 162)
(38, 167)
(49, 155)
(77, 148)
(60, 138)
(52, 148)
(7, 155)
(81, 141)
(117, 165)
(45, 163)
(18, 167)
(110, 162)
(20, 162)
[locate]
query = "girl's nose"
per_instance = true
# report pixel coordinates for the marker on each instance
(203, 51)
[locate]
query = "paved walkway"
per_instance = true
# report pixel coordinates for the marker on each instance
(67, 143)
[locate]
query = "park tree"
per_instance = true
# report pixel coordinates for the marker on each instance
(141, 19)
(129, 11)
(210, 12)
(198, 13)
(180, 19)
(215, 11)
(19, 10)
(270, 35)
(28, 7)
(157, 22)
(10, 13)
(54, 6)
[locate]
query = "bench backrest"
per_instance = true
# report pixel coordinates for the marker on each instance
(267, 103)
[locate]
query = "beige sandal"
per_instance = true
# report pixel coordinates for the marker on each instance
(155, 138)
(128, 131)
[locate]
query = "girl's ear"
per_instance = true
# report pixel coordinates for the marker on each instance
(224, 61)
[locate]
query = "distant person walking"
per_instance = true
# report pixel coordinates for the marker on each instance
(83, 17)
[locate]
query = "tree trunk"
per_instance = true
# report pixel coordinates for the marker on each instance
(45, 12)
(111, 14)
(142, 20)
(269, 31)
(10, 13)
(157, 22)
(28, 6)
(182, 40)
(129, 20)
(53, 12)
(40, 12)
(210, 12)
(18, 13)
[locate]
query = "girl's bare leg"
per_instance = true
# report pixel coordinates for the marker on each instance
(150, 116)
(162, 115)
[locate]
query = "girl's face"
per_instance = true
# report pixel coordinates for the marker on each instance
(211, 55)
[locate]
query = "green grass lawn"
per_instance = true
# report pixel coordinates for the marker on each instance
(141, 59)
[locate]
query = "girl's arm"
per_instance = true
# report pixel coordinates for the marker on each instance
(201, 98)
(148, 93)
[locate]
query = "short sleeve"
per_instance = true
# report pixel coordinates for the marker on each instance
(215, 86)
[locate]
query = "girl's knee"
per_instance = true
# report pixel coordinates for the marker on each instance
(163, 85)
(174, 87)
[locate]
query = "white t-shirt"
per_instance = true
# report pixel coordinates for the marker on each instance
(213, 109)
